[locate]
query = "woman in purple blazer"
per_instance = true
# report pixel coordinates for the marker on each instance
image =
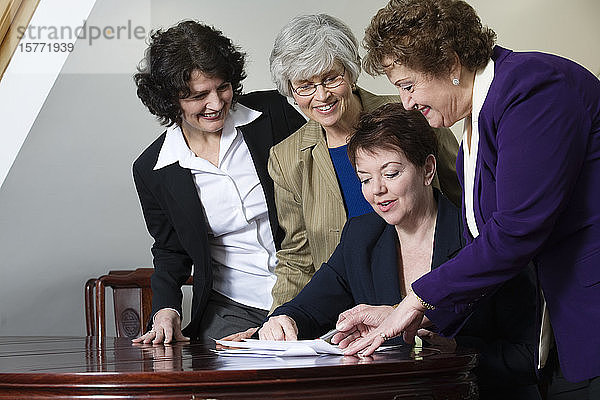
(530, 169)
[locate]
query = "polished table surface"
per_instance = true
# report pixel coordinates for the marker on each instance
(90, 367)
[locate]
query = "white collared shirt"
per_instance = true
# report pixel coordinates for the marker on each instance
(481, 86)
(235, 206)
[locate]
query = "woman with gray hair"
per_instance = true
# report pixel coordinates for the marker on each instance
(315, 61)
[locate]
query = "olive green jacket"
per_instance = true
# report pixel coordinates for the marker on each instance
(309, 201)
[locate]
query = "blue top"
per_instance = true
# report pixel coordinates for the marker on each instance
(351, 192)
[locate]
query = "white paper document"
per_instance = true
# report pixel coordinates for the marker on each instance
(277, 348)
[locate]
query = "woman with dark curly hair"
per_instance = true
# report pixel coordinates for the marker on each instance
(203, 184)
(529, 165)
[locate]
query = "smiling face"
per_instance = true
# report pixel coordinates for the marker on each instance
(208, 104)
(326, 106)
(396, 188)
(441, 102)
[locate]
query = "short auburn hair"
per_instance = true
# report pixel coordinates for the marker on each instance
(426, 36)
(392, 127)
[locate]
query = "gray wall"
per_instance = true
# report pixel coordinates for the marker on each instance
(68, 209)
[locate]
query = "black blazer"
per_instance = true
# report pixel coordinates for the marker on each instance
(175, 217)
(363, 270)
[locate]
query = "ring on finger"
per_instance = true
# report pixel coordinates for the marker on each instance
(383, 336)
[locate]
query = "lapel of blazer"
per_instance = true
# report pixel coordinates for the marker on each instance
(384, 267)
(477, 193)
(460, 171)
(313, 140)
(384, 260)
(259, 141)
(447, 239)
(180, 185)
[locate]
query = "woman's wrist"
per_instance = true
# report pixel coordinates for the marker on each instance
(423, 304)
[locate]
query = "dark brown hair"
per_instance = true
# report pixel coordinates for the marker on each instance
(392, 127)
(426, 36)
(173, 55)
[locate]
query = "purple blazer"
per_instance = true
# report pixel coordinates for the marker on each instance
(537, 198)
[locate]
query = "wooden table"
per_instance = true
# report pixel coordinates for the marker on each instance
(82, 367)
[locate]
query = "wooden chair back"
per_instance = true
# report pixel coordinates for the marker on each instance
(132, 301)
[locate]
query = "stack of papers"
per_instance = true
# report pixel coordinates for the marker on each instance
(276, 348)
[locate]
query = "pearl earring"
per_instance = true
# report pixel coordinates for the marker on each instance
(455, 81)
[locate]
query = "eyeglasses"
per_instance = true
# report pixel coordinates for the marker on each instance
(309, 89)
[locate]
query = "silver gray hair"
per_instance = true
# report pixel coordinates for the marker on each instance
(310, 45)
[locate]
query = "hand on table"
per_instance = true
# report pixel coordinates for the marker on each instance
(280, 327)
(358, 321)
(165, 329)
(405, 320)
(237, 337)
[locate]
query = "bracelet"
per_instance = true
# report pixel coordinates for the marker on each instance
(424, 303)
